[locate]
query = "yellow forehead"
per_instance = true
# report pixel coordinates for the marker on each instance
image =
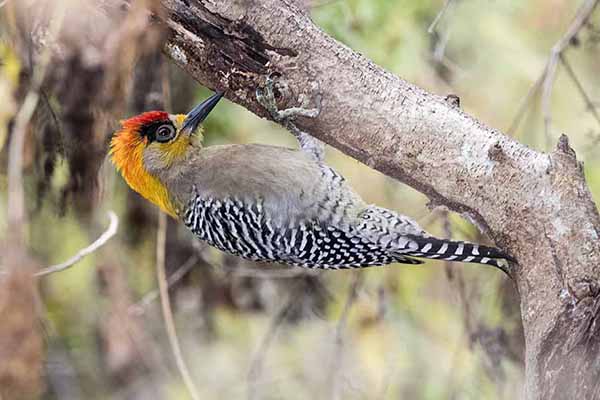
(178, 148)
(197, 137)
(175, 149)
(178, 120)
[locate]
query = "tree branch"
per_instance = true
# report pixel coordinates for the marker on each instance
(140, 307)
(546, 79)
(439, 16)
(165, 303)
(111, 231)
(256, 363)
(512, 193)
(589, 104)
(336, 362)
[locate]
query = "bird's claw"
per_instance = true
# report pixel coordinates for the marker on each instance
(266, 97)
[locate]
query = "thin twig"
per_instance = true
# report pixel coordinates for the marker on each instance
(455, 276)
(524, 105)
(139, 307)
(16, 202)
(101, 241)
(546, 80)
(440, 47)
(57, 123)
(438, 17)
(547, 86)
(442, 39)
(161, 240)
(476, 330)
(588, 101)
(334, 370)
(255, 368)
(579, 22)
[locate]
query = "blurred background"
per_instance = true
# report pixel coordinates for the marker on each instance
(95, 330)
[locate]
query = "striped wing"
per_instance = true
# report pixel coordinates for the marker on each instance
(247, 231)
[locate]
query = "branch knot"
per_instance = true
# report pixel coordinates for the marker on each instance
(564, 147)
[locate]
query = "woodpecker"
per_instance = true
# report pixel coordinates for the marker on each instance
(267, 203)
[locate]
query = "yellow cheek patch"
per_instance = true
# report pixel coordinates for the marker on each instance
(174, 150)
(127, 154)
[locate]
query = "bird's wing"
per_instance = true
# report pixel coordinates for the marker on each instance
(291, 186)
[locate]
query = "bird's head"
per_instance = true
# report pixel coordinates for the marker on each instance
(153, 142)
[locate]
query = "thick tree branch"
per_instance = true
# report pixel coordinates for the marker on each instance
(536, 206)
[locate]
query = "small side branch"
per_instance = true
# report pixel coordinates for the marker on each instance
(339, 336)
(140, 307)
(439, 16)
(86, 251)
(16, 199)
(256, 365)
(546, 79)
(591, 107)
(166, 308)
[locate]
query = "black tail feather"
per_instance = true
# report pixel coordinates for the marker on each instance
(450, 250)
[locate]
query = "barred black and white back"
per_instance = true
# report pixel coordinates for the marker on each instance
(376, 237)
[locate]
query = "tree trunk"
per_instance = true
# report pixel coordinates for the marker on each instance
(534, 205)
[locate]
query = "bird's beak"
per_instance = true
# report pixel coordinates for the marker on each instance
(199, 113)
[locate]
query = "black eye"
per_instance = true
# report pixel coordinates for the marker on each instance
(164, 133)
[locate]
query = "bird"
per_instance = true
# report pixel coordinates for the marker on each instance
(271, 204)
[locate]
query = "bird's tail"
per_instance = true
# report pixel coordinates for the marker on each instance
(450, 250)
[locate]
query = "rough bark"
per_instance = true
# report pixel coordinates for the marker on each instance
(536, 206)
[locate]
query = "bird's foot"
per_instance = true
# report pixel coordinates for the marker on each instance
(266, 97)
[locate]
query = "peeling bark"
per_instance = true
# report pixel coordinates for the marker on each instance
(536, 206)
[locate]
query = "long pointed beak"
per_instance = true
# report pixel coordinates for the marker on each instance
(199, 113)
